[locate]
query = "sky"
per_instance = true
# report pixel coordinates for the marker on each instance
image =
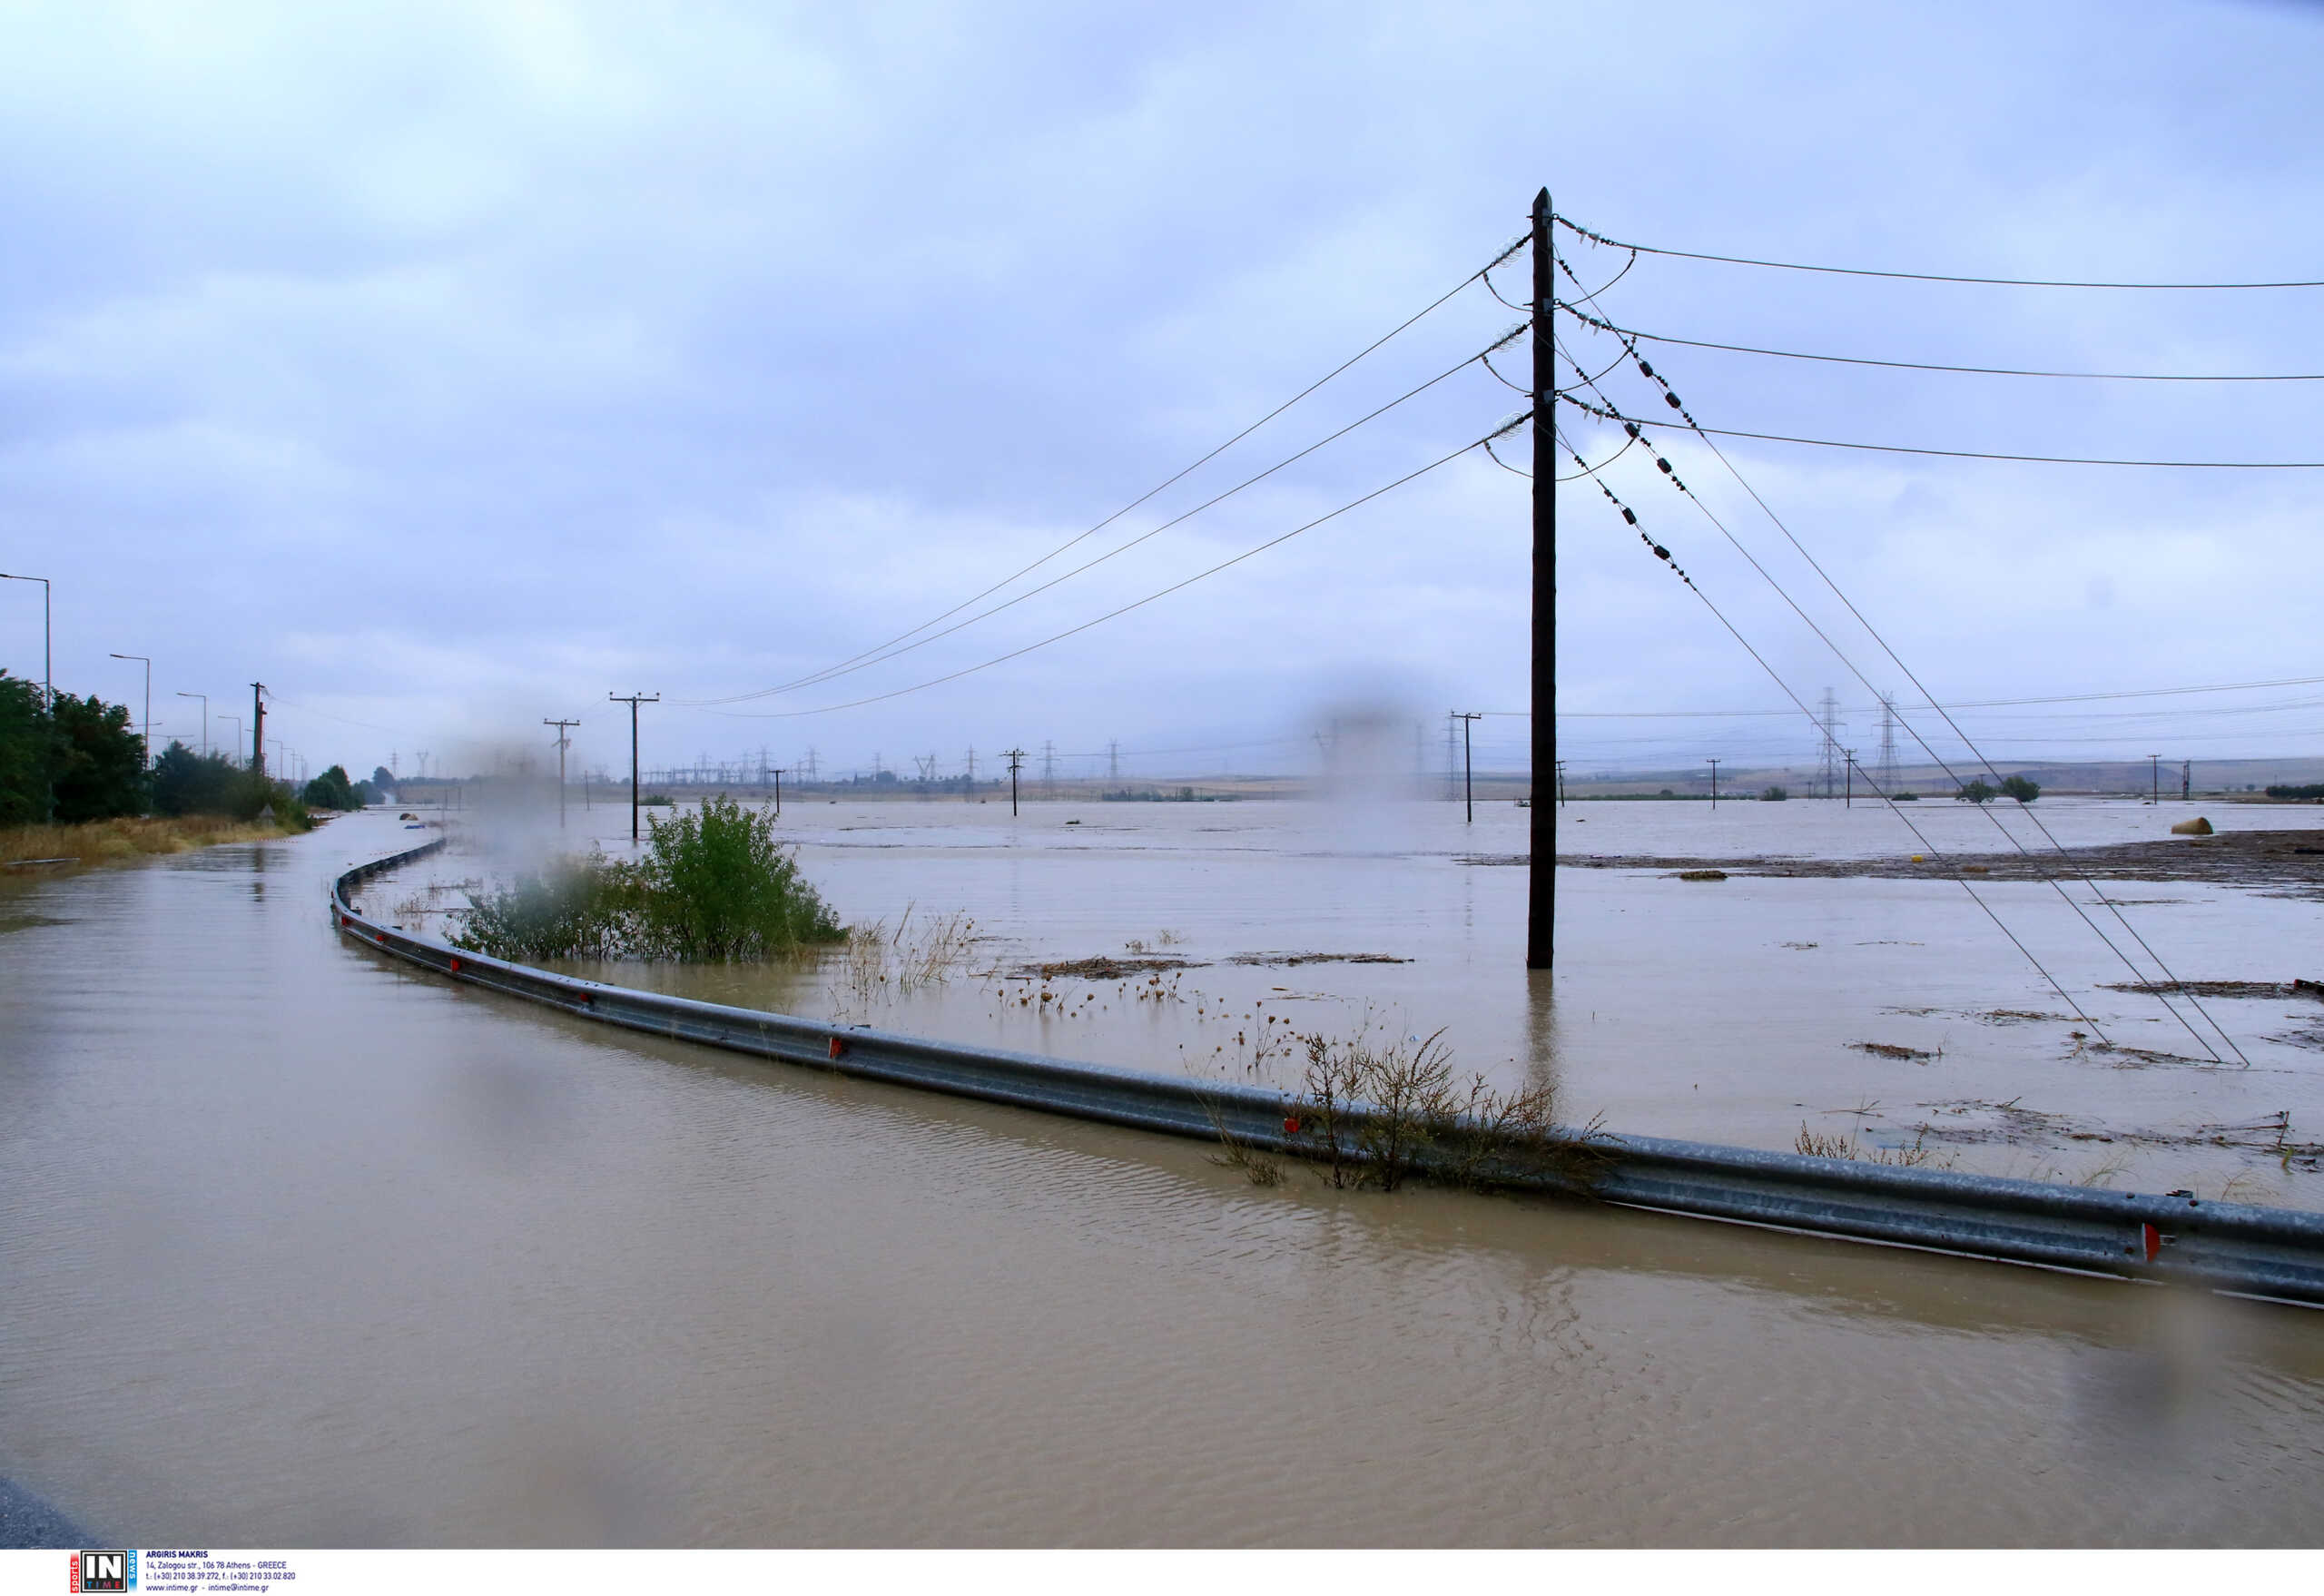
(449, 368)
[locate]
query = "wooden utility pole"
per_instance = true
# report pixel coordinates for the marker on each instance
(1714, 785)
(633, 699)
(1016, 763)
(778, 790)
(1541, 892)
(1468, 777)
(257, 728)
(563, 743)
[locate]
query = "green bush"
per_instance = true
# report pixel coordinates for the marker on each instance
(98, 762)
(578, 909)
(717, 885)
(2021, 788)
(186, 782)
(331, 790)
(2312, 789)
(1976, 791)
(1776, 795)
(714, 884)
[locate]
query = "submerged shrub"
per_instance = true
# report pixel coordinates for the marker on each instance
(717, 885)
(576, 908)
(714, 884)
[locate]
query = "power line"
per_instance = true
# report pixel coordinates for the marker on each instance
(1478, 275)
(1785, 688)
(864, 662)
(1672, 397)
(1136, 603)
(1740, 349)
(1598, 238)
(1967, 454)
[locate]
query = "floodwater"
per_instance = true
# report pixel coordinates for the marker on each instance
(1733, 1012)
(299, 1247)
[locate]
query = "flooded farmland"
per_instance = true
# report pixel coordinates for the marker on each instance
(1891, 1012)
(303, 1248)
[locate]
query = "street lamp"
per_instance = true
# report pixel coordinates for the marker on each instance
(205, 719)
(146, 736)
(47, 683)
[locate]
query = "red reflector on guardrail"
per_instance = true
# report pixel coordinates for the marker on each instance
(839, 1049)
(455, 967)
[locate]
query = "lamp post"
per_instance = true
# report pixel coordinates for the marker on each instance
(47, 681)
(205, 719)
(145, 737)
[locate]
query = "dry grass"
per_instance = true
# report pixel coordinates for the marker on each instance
(1819, 1144)
(1375, 1110)
(111, 842)
(876, 963)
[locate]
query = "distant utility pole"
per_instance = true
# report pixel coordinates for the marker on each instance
(968, 792)
(1468, 778)
(1714, 782)
(563, 743)
(1113, 761)
(1850, 754)
(1451, 753)
(2186, 780)
(778, 791)
(205, 719)
(633, 699)
(258, 729)
(1015, 762)
(2154, 765)
(1560, 784)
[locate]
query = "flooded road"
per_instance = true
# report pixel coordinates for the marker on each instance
(297, 1247)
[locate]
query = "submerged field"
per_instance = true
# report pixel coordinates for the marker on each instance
(1824, 988)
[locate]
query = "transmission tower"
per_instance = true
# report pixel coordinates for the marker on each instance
(1452, 756)
(1049, 768)
(1830, 721)
(1113, 761)
(1888, 743)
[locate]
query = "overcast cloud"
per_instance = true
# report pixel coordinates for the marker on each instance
(447, 367)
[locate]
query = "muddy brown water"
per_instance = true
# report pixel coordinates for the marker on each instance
(299, 1247)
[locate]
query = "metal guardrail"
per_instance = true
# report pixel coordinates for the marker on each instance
(2236, 1247)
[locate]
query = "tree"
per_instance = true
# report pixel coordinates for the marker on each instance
(2021, 788)
(23, 752)
(1977, 792)
(186, 782)
(331, 790)
(100, 760)
(1775, 796)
